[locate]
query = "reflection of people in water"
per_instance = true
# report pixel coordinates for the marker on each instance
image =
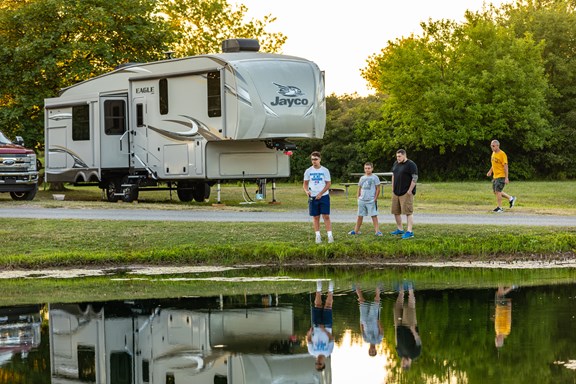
(370, 320)
(502, 315)
(408, 343)
(319, 338)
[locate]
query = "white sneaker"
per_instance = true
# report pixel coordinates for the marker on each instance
(330, 239)
(318, 240)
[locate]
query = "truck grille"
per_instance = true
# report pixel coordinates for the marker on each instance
(14, 163)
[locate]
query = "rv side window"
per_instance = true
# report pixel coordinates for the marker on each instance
(114, 117)
(81, 122)
(214, 97)
(163, 96)
(139, 115)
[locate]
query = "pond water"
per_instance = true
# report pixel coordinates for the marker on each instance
(503, 328)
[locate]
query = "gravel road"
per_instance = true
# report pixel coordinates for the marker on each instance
(221, 215)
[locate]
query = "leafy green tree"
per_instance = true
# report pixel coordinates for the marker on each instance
(343, 147)
(51, 44)
(456, 87)
(553, 24)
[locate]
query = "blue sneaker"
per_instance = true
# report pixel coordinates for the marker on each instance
(378, 233)
(397, 232)
(407, 235)
(354, 232)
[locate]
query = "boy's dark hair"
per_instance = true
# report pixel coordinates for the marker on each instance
(316, 154)
(401, 151)
(369, 163)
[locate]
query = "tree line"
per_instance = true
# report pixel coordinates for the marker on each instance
(506, 73)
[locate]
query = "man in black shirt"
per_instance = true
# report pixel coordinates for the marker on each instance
(408, 342)
(404, 177)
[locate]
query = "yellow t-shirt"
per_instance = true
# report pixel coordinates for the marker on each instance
(503, 317)
(498, 159)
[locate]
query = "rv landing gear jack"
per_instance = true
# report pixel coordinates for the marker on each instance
(273, 193)
(218, 190)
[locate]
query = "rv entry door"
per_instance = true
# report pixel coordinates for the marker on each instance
(114, 146)
(139, 133)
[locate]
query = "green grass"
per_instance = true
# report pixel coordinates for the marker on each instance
(79, 243)
(85, 242)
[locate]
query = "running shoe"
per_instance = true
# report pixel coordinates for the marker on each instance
(407, 235)
(512, 201)
(498, 210)
(378, 233)
(397, 232)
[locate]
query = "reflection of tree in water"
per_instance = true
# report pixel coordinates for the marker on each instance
(459, 336)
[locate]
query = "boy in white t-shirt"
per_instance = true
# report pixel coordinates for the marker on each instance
(368, 192)
(317, 186)
(319, 338)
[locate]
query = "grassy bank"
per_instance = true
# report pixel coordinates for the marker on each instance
(266, 281)
(81, 243)
(46, 243)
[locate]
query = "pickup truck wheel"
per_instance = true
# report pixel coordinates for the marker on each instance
(20, 196)
(112, 188)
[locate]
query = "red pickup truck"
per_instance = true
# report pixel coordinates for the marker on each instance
(18, 169)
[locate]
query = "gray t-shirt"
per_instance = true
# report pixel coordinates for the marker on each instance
(368, 187)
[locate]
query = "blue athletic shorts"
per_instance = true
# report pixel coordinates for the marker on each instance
(320, 206)
(322, 316)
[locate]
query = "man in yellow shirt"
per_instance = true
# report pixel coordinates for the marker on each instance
(499, 173)
(502, 315)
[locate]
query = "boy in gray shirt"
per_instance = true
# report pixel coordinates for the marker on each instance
(368, 192)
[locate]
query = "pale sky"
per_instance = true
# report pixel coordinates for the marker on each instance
(339, 36)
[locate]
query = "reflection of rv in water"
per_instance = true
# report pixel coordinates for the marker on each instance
(147, 342)
(185, 122)
(19, 330)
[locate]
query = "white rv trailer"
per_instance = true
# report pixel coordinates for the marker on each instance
(186, 122)
(173, 345)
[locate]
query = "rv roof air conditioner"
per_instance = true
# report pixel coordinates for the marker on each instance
(240, 45)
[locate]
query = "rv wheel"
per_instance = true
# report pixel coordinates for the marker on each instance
(185, 191)
(130, 192)
(201, 192)
(112, 188)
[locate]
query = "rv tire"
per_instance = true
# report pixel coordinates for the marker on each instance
(130, 193)
(201, 192)
(185, 191)
(112, 187)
